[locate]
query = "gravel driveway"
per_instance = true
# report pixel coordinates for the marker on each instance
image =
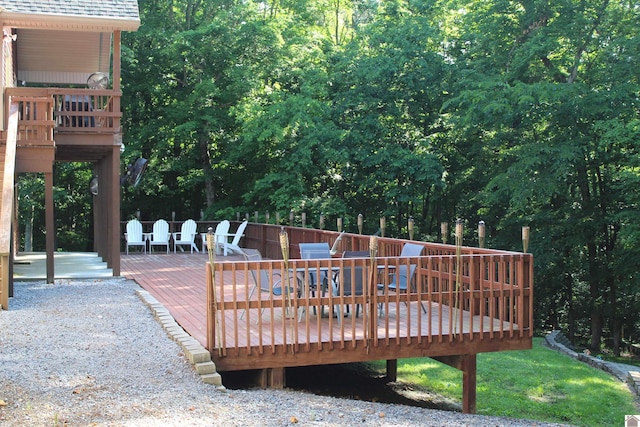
(89, 353)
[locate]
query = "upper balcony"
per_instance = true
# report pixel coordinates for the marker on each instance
(82, 124)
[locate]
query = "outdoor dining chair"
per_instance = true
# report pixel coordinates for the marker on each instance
(318, 281)
(353, 278)
(402, 279)
(264, 279)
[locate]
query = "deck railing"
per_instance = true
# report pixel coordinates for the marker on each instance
(473, 299)
(67, 110)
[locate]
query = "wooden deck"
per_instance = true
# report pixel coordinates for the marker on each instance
(459, 304)
(178, 282)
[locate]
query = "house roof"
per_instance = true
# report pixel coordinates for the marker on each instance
(115, 14)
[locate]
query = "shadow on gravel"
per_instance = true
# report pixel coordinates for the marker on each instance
(351, 381)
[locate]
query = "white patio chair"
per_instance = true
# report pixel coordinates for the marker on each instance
(134, 236)
(220, 238)
(185, 236)
(160, 235)
(235, 243)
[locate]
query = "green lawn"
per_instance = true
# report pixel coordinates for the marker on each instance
(538, 384)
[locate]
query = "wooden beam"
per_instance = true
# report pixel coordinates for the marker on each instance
(6, 204)
(392, 370)
(114, 213)
(35, 159)
(467, 364)
(276, 378)
(49, 224)
(469, 384)
(273, 378)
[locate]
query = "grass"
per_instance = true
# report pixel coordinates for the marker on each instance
(538, 384)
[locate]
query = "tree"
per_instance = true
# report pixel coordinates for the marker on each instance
(178, 102)
(516, 113)
(556, 102)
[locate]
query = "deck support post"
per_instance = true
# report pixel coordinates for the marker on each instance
(467, 364)
(273, 378)
(392, 370)
(49, 225)
(469, 383)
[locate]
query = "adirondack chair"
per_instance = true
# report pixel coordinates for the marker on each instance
(185, 236)
(221, 235)
(134, 236)
(235, 243)
(160, 235)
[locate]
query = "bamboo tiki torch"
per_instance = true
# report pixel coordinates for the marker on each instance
(444, 231)
(525, 238)
(410, 226)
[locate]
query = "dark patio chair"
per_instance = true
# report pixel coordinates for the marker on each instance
(318, 281)
(402, 279)
(263, 279)
(353, 279)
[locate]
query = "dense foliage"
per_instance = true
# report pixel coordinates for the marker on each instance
(512, 112)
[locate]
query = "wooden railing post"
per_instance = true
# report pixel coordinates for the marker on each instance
(211, 324)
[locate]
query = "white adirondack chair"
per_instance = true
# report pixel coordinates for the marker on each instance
(235, 243)
(221, 236)
(160, 235)
(185, 236)
(134, 236)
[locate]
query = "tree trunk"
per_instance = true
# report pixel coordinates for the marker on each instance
(571, 318)
(28, 233)
(209, 186)
(596, 330)
(616, 332)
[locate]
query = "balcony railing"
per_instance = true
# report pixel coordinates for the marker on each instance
(43, 110)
